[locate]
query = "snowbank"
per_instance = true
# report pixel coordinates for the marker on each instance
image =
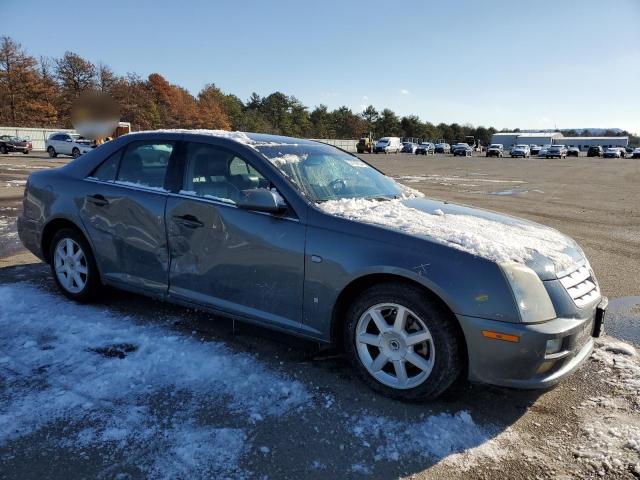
(485, 238)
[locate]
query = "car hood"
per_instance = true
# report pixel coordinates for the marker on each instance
(491, 235)
(528, 241)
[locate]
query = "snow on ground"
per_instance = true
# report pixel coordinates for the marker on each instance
(489, 239)
(611, 427)
(454, 438)
(167, 405)
(111, 380)
(7, 227)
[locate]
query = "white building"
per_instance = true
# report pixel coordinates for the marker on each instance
(526, 138)
(547, 138)
(583, 143)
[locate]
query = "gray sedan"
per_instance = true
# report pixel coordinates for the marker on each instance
(305, 238)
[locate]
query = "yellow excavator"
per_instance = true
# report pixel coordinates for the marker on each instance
(365, 144)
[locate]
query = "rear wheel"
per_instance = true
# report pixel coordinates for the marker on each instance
(52, 152)
(73, 265)
(401, 343)
(3, 149)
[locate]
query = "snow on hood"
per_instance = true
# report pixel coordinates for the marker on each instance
(498, 238)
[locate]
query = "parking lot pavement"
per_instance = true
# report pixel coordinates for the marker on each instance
(135, 388)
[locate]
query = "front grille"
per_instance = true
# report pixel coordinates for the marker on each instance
(581, 286)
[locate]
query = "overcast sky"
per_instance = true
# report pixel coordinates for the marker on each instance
(527, 64)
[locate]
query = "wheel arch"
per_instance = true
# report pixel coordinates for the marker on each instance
(50, 229)
(360, 284)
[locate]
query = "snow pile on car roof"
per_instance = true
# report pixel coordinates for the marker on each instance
(137, 389)
(485, 238)
(240, 137)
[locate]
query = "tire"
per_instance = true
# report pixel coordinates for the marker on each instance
(52, 152)
(75, 153)
(80, 292)
(441, 354)
(25, 152)
(3, 149)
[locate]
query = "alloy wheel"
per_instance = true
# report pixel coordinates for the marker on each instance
(71, 266)
(395, 346)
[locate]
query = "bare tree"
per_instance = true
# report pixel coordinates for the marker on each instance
(17, 78)
(75, 74)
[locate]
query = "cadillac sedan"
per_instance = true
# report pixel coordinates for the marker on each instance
(302, 237)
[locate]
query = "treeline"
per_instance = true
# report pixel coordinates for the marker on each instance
(40, 93)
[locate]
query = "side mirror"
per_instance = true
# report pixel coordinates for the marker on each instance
(69, 140)
(260, 200)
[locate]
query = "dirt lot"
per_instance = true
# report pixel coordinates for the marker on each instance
(165, 392)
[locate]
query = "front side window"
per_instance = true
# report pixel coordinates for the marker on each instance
(218, 174)
(145, 164)
(322, 173)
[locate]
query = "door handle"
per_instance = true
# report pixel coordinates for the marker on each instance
(188, 221)
(97, 200)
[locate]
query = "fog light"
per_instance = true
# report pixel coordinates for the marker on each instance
(554, 345)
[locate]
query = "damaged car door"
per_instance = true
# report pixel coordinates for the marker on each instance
(232, 259)
(123, 211)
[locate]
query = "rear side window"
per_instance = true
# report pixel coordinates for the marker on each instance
(145, 164)
(108, 169)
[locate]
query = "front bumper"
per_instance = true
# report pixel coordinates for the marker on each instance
(525, 363)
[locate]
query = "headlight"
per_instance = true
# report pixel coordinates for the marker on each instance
(531, 297)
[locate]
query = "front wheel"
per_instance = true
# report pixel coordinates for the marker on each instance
(52, 152)
(75, 153)
(402, 343)
(3, 149)
(73, 266)
(25, 152)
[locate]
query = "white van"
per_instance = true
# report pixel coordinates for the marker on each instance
(388, 145)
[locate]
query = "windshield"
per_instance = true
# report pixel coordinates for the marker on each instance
(325, 173)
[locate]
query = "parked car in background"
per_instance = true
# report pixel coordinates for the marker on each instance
(426, 148)
(442, 148)
(495, 150)
(595, 151)
(10, 143)
(573, 152)
(67, 144)
(559, 151)
(612, 152)
(409, 147)
(520, 151)
(206, 220)
(461, 150)
(635, 153)
(534, 149)
(543, 151)
(388, 145)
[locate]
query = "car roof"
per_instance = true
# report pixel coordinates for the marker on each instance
(246, 138)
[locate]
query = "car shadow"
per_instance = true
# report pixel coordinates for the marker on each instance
(350, 430)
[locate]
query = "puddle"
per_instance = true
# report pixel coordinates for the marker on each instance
(622, 320)
(509, 192)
